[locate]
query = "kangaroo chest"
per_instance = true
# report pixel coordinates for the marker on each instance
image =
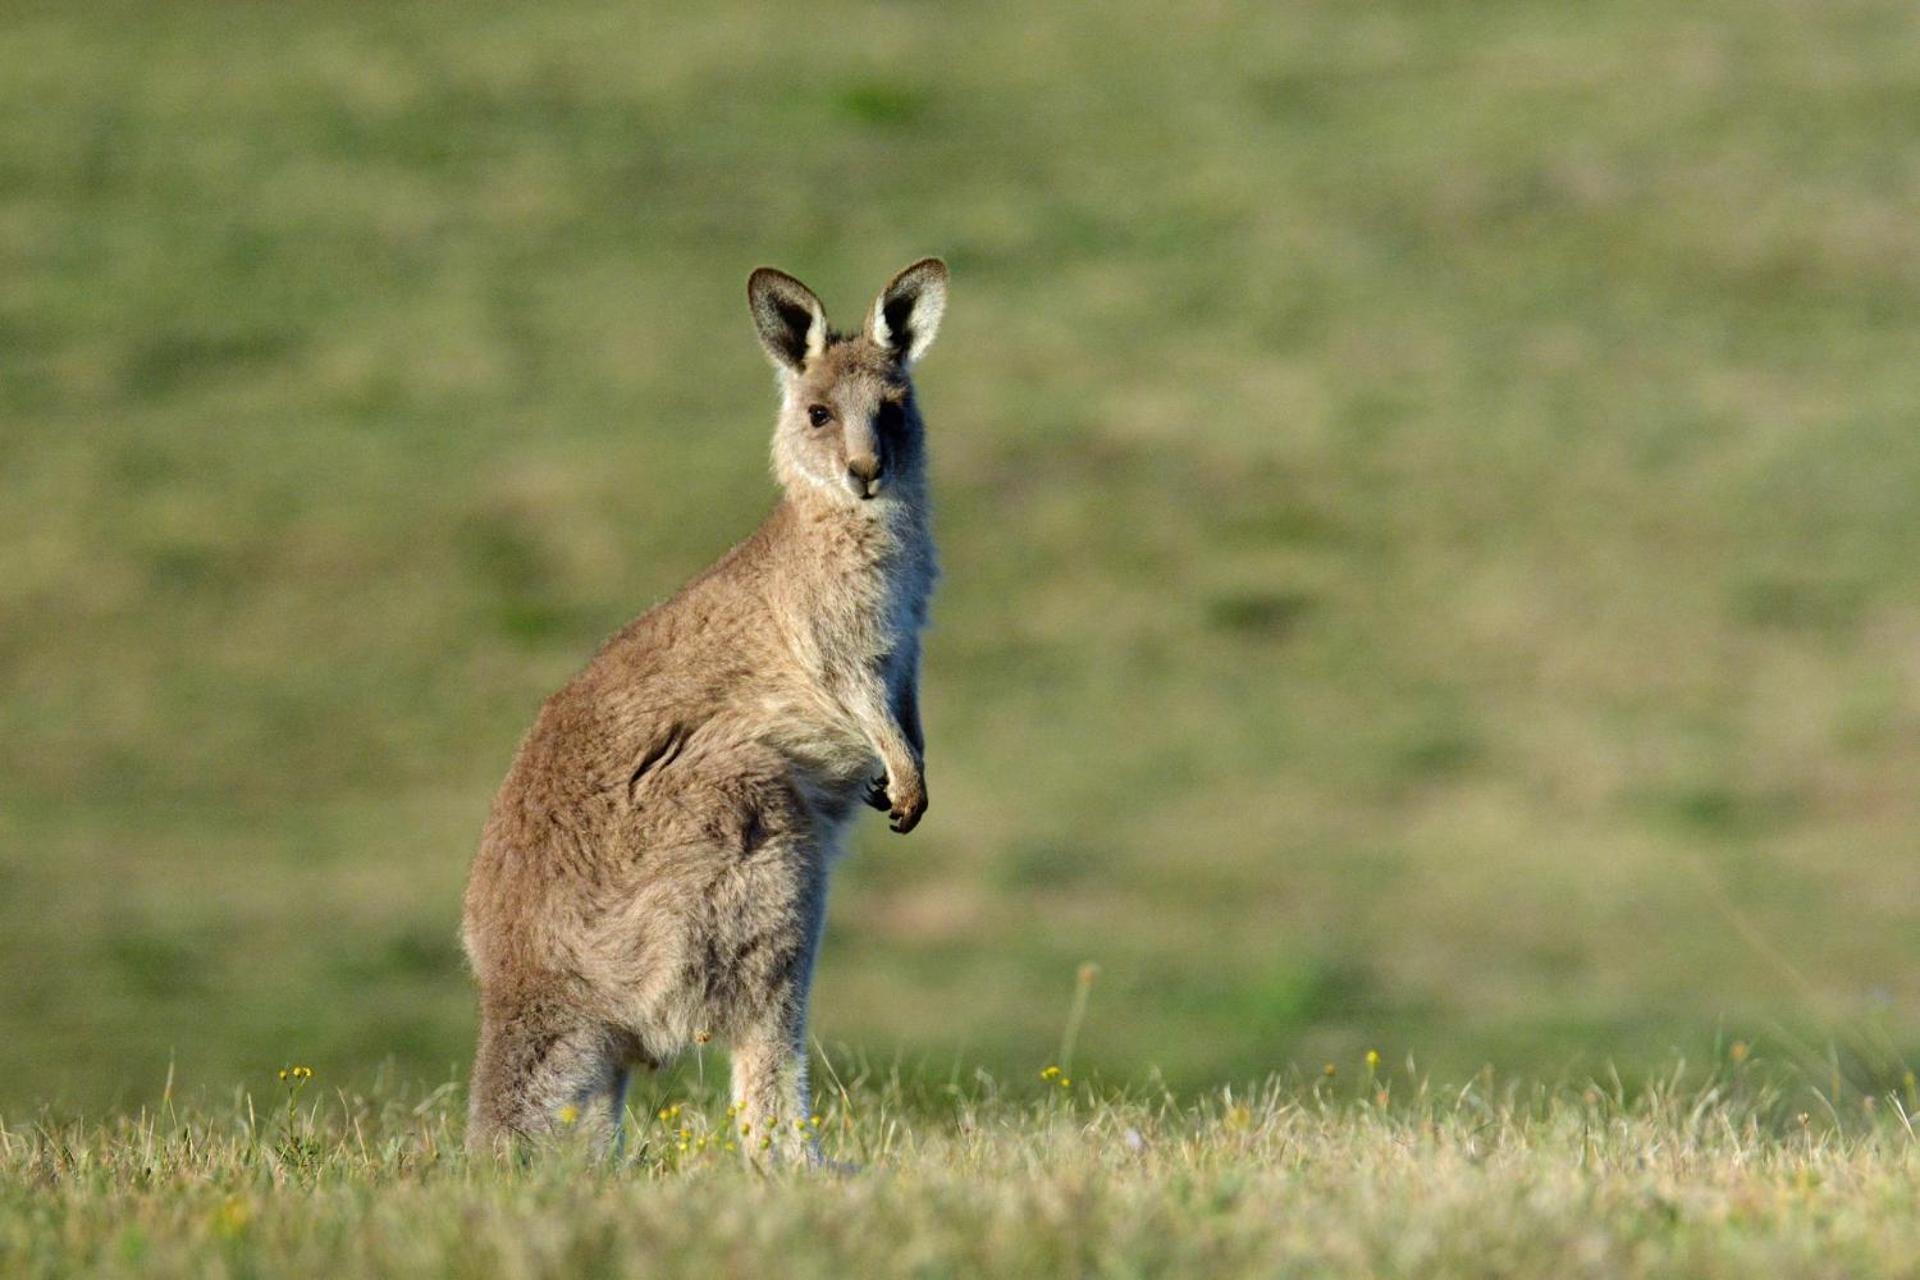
(871, 608)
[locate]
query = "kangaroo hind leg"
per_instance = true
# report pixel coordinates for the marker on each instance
(544, 1073)
(771, 1098)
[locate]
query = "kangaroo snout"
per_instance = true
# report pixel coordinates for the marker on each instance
(864, 473)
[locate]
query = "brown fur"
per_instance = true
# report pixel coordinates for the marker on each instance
(654, 869)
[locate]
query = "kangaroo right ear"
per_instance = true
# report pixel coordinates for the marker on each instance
(907, 313)
(791, 322)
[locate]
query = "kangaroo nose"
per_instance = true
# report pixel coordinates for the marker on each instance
(865, 468)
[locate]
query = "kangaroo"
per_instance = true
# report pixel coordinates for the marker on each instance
(653, 872)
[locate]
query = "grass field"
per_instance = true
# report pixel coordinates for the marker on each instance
(1428, 495)
(1373, 1175)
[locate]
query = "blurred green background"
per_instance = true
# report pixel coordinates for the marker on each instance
(1430, 497)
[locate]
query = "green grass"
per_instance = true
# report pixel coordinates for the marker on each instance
(1427, 497)
(1370, 1175)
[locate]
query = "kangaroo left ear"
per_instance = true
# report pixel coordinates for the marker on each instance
(790, 321)
(906, 315)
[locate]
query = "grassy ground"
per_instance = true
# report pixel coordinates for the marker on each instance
(1427, 495)
(1372, 1175)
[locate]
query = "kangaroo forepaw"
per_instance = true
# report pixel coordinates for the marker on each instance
(905, 806)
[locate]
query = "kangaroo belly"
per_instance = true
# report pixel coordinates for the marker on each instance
(674, 869)
(719, 899)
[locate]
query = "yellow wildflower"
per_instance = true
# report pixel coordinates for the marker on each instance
(231, 1218)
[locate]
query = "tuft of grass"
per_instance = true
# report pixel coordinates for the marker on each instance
(1259, 613)
(882, 103)
(1414, 484)
(1364, 1169)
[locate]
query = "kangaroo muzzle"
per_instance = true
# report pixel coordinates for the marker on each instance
(863, 473)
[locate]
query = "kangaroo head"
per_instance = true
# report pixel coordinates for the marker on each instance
(849, 430)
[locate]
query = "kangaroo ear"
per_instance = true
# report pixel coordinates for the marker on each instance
(907, 313)
(791, 322)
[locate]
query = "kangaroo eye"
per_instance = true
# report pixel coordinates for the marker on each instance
(819, 415)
